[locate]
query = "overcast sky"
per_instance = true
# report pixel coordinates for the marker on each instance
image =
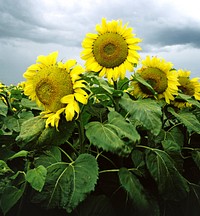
(169, 28)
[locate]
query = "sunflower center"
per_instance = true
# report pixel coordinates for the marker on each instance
(186, 86)
(156, 78)
(51, 85)
(110, 50)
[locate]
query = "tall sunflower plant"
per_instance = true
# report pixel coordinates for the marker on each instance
(93, 140)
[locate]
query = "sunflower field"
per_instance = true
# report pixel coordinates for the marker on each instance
(92, 140)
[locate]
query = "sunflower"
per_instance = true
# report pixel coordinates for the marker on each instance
(111, 51)
(190, 87)
(159, 74)
(56, 86)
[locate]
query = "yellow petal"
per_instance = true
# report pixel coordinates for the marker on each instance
(78, 69)
(48, 60)
(69, 112)
(79, 84)
(81, 98)
(67, 99)
(69, 64)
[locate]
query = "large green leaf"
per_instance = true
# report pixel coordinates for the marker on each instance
(173, 141)
(67, 184)
(170, 183)
(136, 192)
(30, 104)
(117, 136)
(10, 197)
(12, 123)
(146, 111)
(52, 136)
(134, 188)
(188, 119)
(30, 131)
(50, 156)
(36, 177)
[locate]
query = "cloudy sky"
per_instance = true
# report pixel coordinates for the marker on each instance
(169, 28)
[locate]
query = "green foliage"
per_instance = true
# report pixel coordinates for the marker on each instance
(121, 156)
(68, 184)
(117, 135)
(134, 189)
(188, 119)
(10, 197)
(146, 111)
(36, 177)
(166, 175)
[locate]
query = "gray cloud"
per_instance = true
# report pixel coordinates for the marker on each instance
(33, 27)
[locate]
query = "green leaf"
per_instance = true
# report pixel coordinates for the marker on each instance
(189, 99)
(137, 158)
(3, 108)
(188, 119)
(138, 78)
(196, 158)
(50, 156)
(170, 183)
(67, 184)
(29, 104)
(134, 188)
(175, 138)
(142, 204)
(170, 146)
(30, 131)
(12, 123)
(36, 177)
(52, 136)
(22, 153)
(146, 111)
(10, 197)
(117, 136)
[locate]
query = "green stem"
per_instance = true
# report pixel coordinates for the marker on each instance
(66, 154)
(25, 187)
(115, 170)
(115, 85)
(142, 146)
(81, 135)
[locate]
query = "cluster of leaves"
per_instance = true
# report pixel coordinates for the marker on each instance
(122, 156)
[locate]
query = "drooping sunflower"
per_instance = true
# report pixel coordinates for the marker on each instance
(111, 51)
(190, 87)
(160, 75)
(56, 86)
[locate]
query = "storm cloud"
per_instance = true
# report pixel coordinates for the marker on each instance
(37, 27)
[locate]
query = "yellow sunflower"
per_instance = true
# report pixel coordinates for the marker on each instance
(111, 51)
(190, 87)
(56, 86)
(160, 75)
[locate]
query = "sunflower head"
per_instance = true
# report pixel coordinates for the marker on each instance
(56, 86)
(190, 87)
(111, 51)
(160, 76)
